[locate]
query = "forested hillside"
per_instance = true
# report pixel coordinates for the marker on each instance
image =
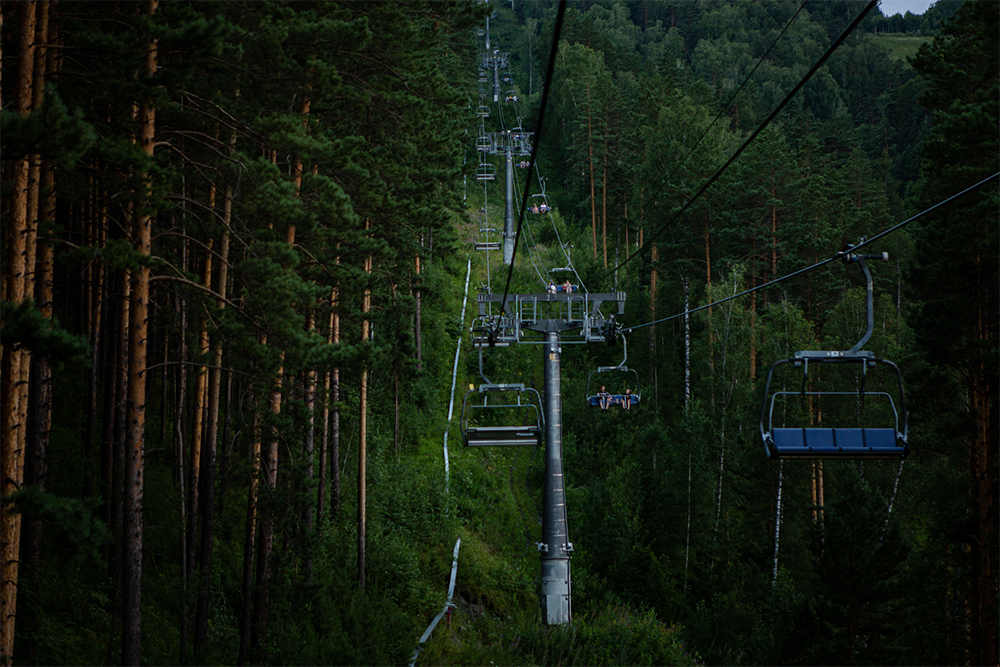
(240, 271)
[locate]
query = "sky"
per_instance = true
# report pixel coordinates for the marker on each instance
(890, 7)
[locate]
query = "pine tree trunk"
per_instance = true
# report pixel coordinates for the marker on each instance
(194, 508)
(246, 588)
(136, 403)
(40, 397)
(12, 431)
(753, 313)
(335, 416)
(310, 447)
(269, 465)
(96, 318)
(653, 275)
(593, 201)
(774, 233)
(324, 442)
(687, 340)
(982, 449)
(708, 289)
(363, 429)
(265, 537)
(397, 386)
(416, 325)
(112, 436)
(210, 447)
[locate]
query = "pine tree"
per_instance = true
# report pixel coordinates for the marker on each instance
(958, 259)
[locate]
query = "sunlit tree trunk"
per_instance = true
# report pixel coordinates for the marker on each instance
(40, 386)
(136, 403)
(15, 361)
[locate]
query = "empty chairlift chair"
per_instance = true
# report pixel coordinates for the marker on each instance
(867, 420)
(485, 171)
(489, 239)
(502, 415)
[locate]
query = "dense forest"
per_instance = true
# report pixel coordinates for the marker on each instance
(240, 271)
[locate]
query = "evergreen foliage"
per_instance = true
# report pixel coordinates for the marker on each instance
(312, 180)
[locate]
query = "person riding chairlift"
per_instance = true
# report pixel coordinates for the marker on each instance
(627, 400)
(603, 398)
(567, 287)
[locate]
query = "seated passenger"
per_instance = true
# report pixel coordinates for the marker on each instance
(603, 398)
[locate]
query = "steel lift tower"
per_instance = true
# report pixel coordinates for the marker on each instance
(510, 144)
(560, 318)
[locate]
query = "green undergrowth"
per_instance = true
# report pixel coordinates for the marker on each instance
(611, 635)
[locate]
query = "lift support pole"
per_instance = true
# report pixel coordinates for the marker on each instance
(579, 318)
(555, 546)
(508, 217)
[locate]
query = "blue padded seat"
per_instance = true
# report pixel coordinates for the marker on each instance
(833, 442)
(613, 400)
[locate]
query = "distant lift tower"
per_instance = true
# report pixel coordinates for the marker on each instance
(560, 318)
(510, 144)
(496, 61)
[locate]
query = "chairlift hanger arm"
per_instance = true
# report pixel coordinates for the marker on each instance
(848, 256)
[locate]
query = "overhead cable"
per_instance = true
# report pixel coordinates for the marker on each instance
(837, 256)
(788, 98)
(733, 97)
(560, 15)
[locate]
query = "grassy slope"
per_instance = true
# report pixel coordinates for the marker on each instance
(901, 47)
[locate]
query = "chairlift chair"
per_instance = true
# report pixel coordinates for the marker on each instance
(504, 423)
(492, 331)
(541, 206)
(485, 171)
(564, 273)
(860, 440)
(626, 379)
(487, 234)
